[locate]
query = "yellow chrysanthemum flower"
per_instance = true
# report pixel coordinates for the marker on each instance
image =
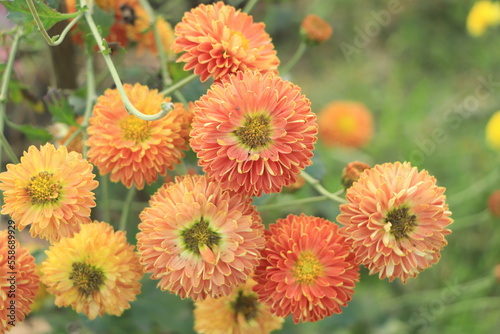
(493, 131)
(481, 16)
(95, 272)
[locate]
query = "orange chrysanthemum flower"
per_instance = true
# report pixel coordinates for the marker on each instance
(95, 272)
(396, 220)
(345, 123)
(199, 239)
(18, 280)
(50, 190)
(238, 313)
(494, 203)
(132, 150)
(253, 132)
(306, 270)
(315, 30)
(218, 40)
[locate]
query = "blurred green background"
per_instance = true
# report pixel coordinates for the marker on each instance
(419, 72)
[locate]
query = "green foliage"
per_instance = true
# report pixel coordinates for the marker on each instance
(58, 105)
(33, 133)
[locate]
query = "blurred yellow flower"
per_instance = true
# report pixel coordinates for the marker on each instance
(481, 16)
(493, 131)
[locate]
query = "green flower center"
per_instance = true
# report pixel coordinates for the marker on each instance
(86, 278)
(307, 268)
(134, 128)
(245, 305)
(402, 223)
(198, 235)
(255, 132)
(42, 188)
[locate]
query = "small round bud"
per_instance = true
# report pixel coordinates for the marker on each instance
(315, 30)
(494, 203)
(298, 184)
(352, 172)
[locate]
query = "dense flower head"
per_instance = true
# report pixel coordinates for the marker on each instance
(18, 281)
(238, 313)
(95, 272)
(481, 16)
(50, 190)
(199, 239)
(315, 30)
(307, 269)
(253, 132)
(132, 150)
(396, 219)
(218, 40)
(493, 131)
(345, 123)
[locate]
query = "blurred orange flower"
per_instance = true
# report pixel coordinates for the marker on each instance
(315, 30)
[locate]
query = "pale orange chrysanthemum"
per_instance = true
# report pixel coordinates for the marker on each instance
(199, 239)
(238, 313)
(218, 40)
(132, 150)
(95, 272)
(18, 280)
(50, 191)
(307, 269)
(396, 220)
(345, 123)
(253, 132)
(315, 30)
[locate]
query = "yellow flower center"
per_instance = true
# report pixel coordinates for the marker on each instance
(402, 223)
(347, 124)
(245, 305)
(239, 35)
(198, 235)
(86, 278)
(255, 132)
(307, 268)
(134, 128)
(43, 189)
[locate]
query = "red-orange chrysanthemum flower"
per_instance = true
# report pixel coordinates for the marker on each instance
(345, 123)
(396, 220)
(307, 269)
(18, 280)
(50, 191)
(199, 239)
(253, 132)
(238, 313)
(218, 40)
(132, 150)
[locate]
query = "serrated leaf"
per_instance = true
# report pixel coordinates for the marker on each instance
(32, 132)
(20, 14)
(58, 105)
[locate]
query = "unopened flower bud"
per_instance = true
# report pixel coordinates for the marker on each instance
(494, 203)
(352, 172)
(315, 30)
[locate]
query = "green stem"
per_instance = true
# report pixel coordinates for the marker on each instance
(126, 207)
(73, 136)
(89, 102)
(295, 58)
(102, 45)
(293, 203)
(249, 6)
(104, 204)
(4, 143)
(48, 39)
(316, 185)
(179, 84)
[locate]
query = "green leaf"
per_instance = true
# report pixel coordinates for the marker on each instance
(20, 13)
(58, 105)
(32, 133)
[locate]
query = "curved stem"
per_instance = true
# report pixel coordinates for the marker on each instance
(89, 102)
(102, 44)
(126, 207)
(48, 39)
(250, 4)
(316, 185)
(293, 203)
(295, 58)
(4, 143)
(179, 84)
(73, 136)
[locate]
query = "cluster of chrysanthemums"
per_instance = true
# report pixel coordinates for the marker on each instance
(200, 236)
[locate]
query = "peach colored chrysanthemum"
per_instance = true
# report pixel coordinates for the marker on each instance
(132, 150)
(18, 280)
(315, 30)
(95, 272)
(50, 191)
(238, 313)
(199, 239)
(253, 132)
(345, 123)
(218, 40)
(306, 270)
(396, 219)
